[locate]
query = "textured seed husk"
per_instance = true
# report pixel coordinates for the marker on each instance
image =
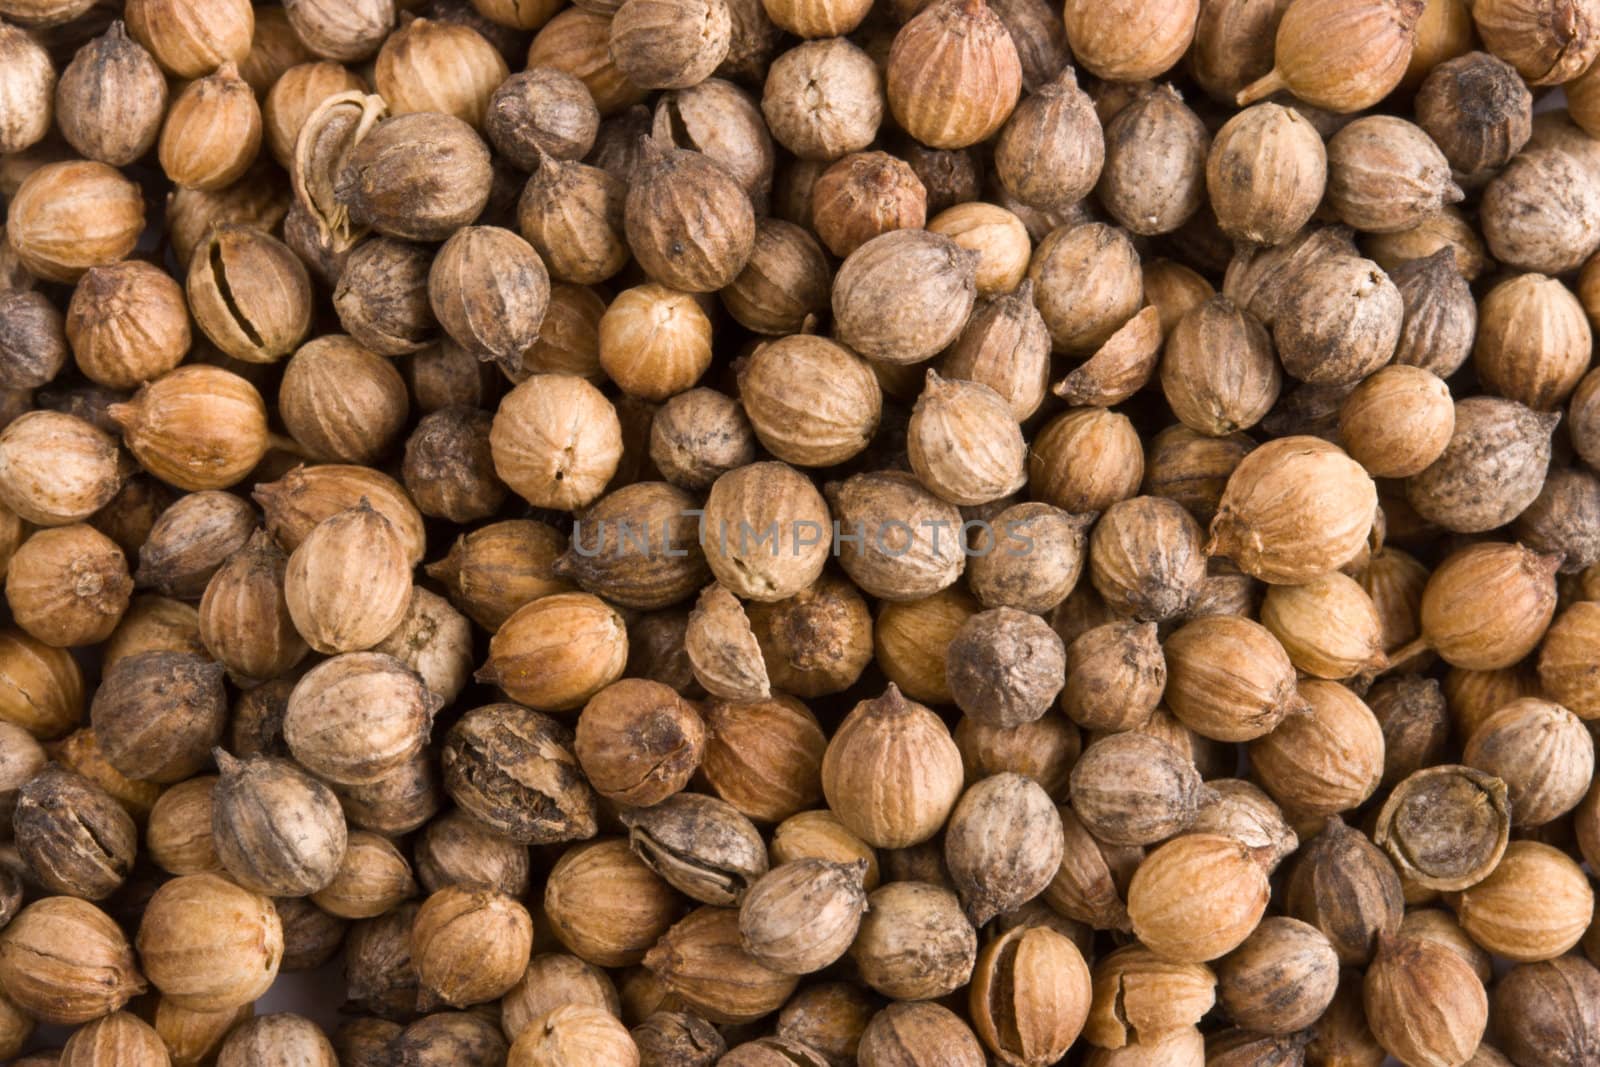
(1265, 138)
(1340, 56)
(891, 772)
(1325, 761)
(953, 74)
(255, 803)
(1145, 558)
(513, 770)
(1197, 897)
(1138, 997)
(469, 944)
(33, 341)
(723, 121)
(1087, 284)
(66, 962)
(1218, 371)
(1228, 678)
(863, 195)
(1342, 884)
(1532, 906)
(381, 979)
(1281, 979)
(1542, 752)
(1005, 346)
(608, 559)
(373, 879)
(759, 497)
(1135, 789)
(297, 502)
(1154, 179)
(158, 714)
(786, 279)
(1542, 212)
(1030, 995)
(1245, 1048)
(208, 944)
(803, 915)
(1257, 276)
(80, 753)
(1438, 924)
(244, 614)
(1295, 508)
(573, 215)
(249, 294)
(817, 642)
(700, 845)
(678, 1039)
(1004, 667)
(1089, 884)
(489, 289)
(1398, 421)
(191, 1036)
(638, 742)
(919, 1033)
(810, 401)
(703, 962)
(1441, 316)
(196, 427)
(1086, 460)
(555, 652)
(723, 649)
(891, 561)
(1101, 42)
(381, 296)
(1312, 410)
(1569, 665)
(1445, 827)
(1416, 723)
(547, 457)
(1244, 811)
(1533, 342)
(356, 718)
(1564, 519)
(1545, 1013)
(1116, 674)
(1487, 605)
(1424, 1003)
(606, 906)
(774, 1052)
(74, 838)
(1120, 368)
(1338, 321)
(1193, 468)
(1052, 148)
(1386, 174)
(348, 583)
(660, 45)
(915, 943)
(964, 443)
(688, 221)
(1030, 559)
(552, 980)
(265, 1038)
(115, 127)
(1040, 38)
(1003, 844)
(416, 177)
(882, 316)
(1329, 627)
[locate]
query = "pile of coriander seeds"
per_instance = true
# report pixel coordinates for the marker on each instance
(799, 533)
